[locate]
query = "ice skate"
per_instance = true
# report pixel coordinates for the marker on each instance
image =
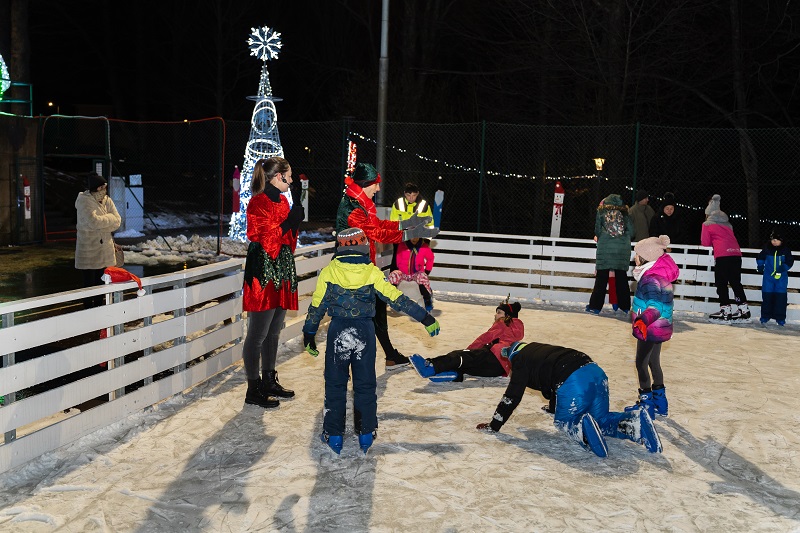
(333, 441)
(648, 436)
(366, 440)
(723, 316)
(645, 401)
(591, 438)
(660, 400)
(443, 377)
(423, 367)
(741, 315)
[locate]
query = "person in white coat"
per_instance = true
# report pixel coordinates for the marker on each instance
(94, 245)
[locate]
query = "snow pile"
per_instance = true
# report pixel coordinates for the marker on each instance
(202, 250)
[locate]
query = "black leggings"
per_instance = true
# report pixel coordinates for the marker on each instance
(728, 271)
(598, 296)
(382, 328)
(263, 335)
(648, 357)
(480, 362)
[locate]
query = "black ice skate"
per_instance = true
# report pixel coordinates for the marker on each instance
(723, 316)
(741, 315)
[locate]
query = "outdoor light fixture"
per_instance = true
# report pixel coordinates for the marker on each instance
(598, 163)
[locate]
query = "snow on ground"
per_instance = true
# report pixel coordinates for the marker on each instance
(179, 249)
(202, 461)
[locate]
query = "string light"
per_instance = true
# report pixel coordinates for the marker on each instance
(264, 141)
(473, 169)
(553, 178)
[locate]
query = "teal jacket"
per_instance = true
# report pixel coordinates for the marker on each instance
(347, 288)
(613, 228)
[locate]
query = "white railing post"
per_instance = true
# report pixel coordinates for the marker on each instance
(180, 313)
(6, 321)
(118, 329)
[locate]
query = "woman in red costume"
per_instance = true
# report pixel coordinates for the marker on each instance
(270, 280)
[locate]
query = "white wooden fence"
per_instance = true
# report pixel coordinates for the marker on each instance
(562, 270)
(189, 327)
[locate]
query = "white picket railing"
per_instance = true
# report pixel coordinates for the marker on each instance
(562, 270)
(189, 327)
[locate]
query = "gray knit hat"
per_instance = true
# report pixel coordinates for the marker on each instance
(713, 204)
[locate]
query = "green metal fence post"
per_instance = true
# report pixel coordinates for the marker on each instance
(480, 175)
(635, 163)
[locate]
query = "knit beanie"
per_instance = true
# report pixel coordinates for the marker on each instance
(641, 194)
(353, 239)
(510, 351)
(652, 248)
(776, 234)
(669, 199)
(365, 175)
(713, 204)
(96, 181)
(511, 310)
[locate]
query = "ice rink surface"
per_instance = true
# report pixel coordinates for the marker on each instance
(202, 461)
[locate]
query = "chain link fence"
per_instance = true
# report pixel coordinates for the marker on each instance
(497, 178)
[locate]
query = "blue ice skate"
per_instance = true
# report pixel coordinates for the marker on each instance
(422, 366)
(366, 440)
(647, 433)
(444, 377)
(592, 438)
(334, 441)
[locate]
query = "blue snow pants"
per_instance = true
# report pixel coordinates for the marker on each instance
(351, 346)
(586, 391)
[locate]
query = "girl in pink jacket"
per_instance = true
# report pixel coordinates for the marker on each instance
(717, 232)
(482, 357)
(414, 263)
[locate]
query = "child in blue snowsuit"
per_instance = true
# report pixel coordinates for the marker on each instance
(578, 392)
(346, 289)
(774, 262)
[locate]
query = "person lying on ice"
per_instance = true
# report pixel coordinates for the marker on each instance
(482, 357)
(578, 392)
(347, 289)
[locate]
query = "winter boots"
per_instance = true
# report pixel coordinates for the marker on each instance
(273, 388)
(639, 427)
(646, 402)
(255, 395)
(660, 400)
(396, 361)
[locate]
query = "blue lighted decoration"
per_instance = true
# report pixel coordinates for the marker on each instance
(264, 141)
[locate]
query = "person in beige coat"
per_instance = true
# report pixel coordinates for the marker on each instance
(94, 246)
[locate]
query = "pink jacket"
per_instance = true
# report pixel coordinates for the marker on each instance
(507, 335)
(411, 259)
(721, 238)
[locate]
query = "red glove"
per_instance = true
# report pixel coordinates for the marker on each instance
(639, 324)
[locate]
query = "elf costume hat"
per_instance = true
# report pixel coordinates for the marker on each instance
(119, 275)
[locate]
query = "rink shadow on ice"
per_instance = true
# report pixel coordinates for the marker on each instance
(623, 455)
(217, 475)
(343, 492)
(736, 474)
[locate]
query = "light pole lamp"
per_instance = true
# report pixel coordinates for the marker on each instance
(58, 107)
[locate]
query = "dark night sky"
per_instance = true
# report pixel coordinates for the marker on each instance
(516, 61)
(155, 60)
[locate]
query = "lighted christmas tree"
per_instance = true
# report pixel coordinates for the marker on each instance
(264, 140)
